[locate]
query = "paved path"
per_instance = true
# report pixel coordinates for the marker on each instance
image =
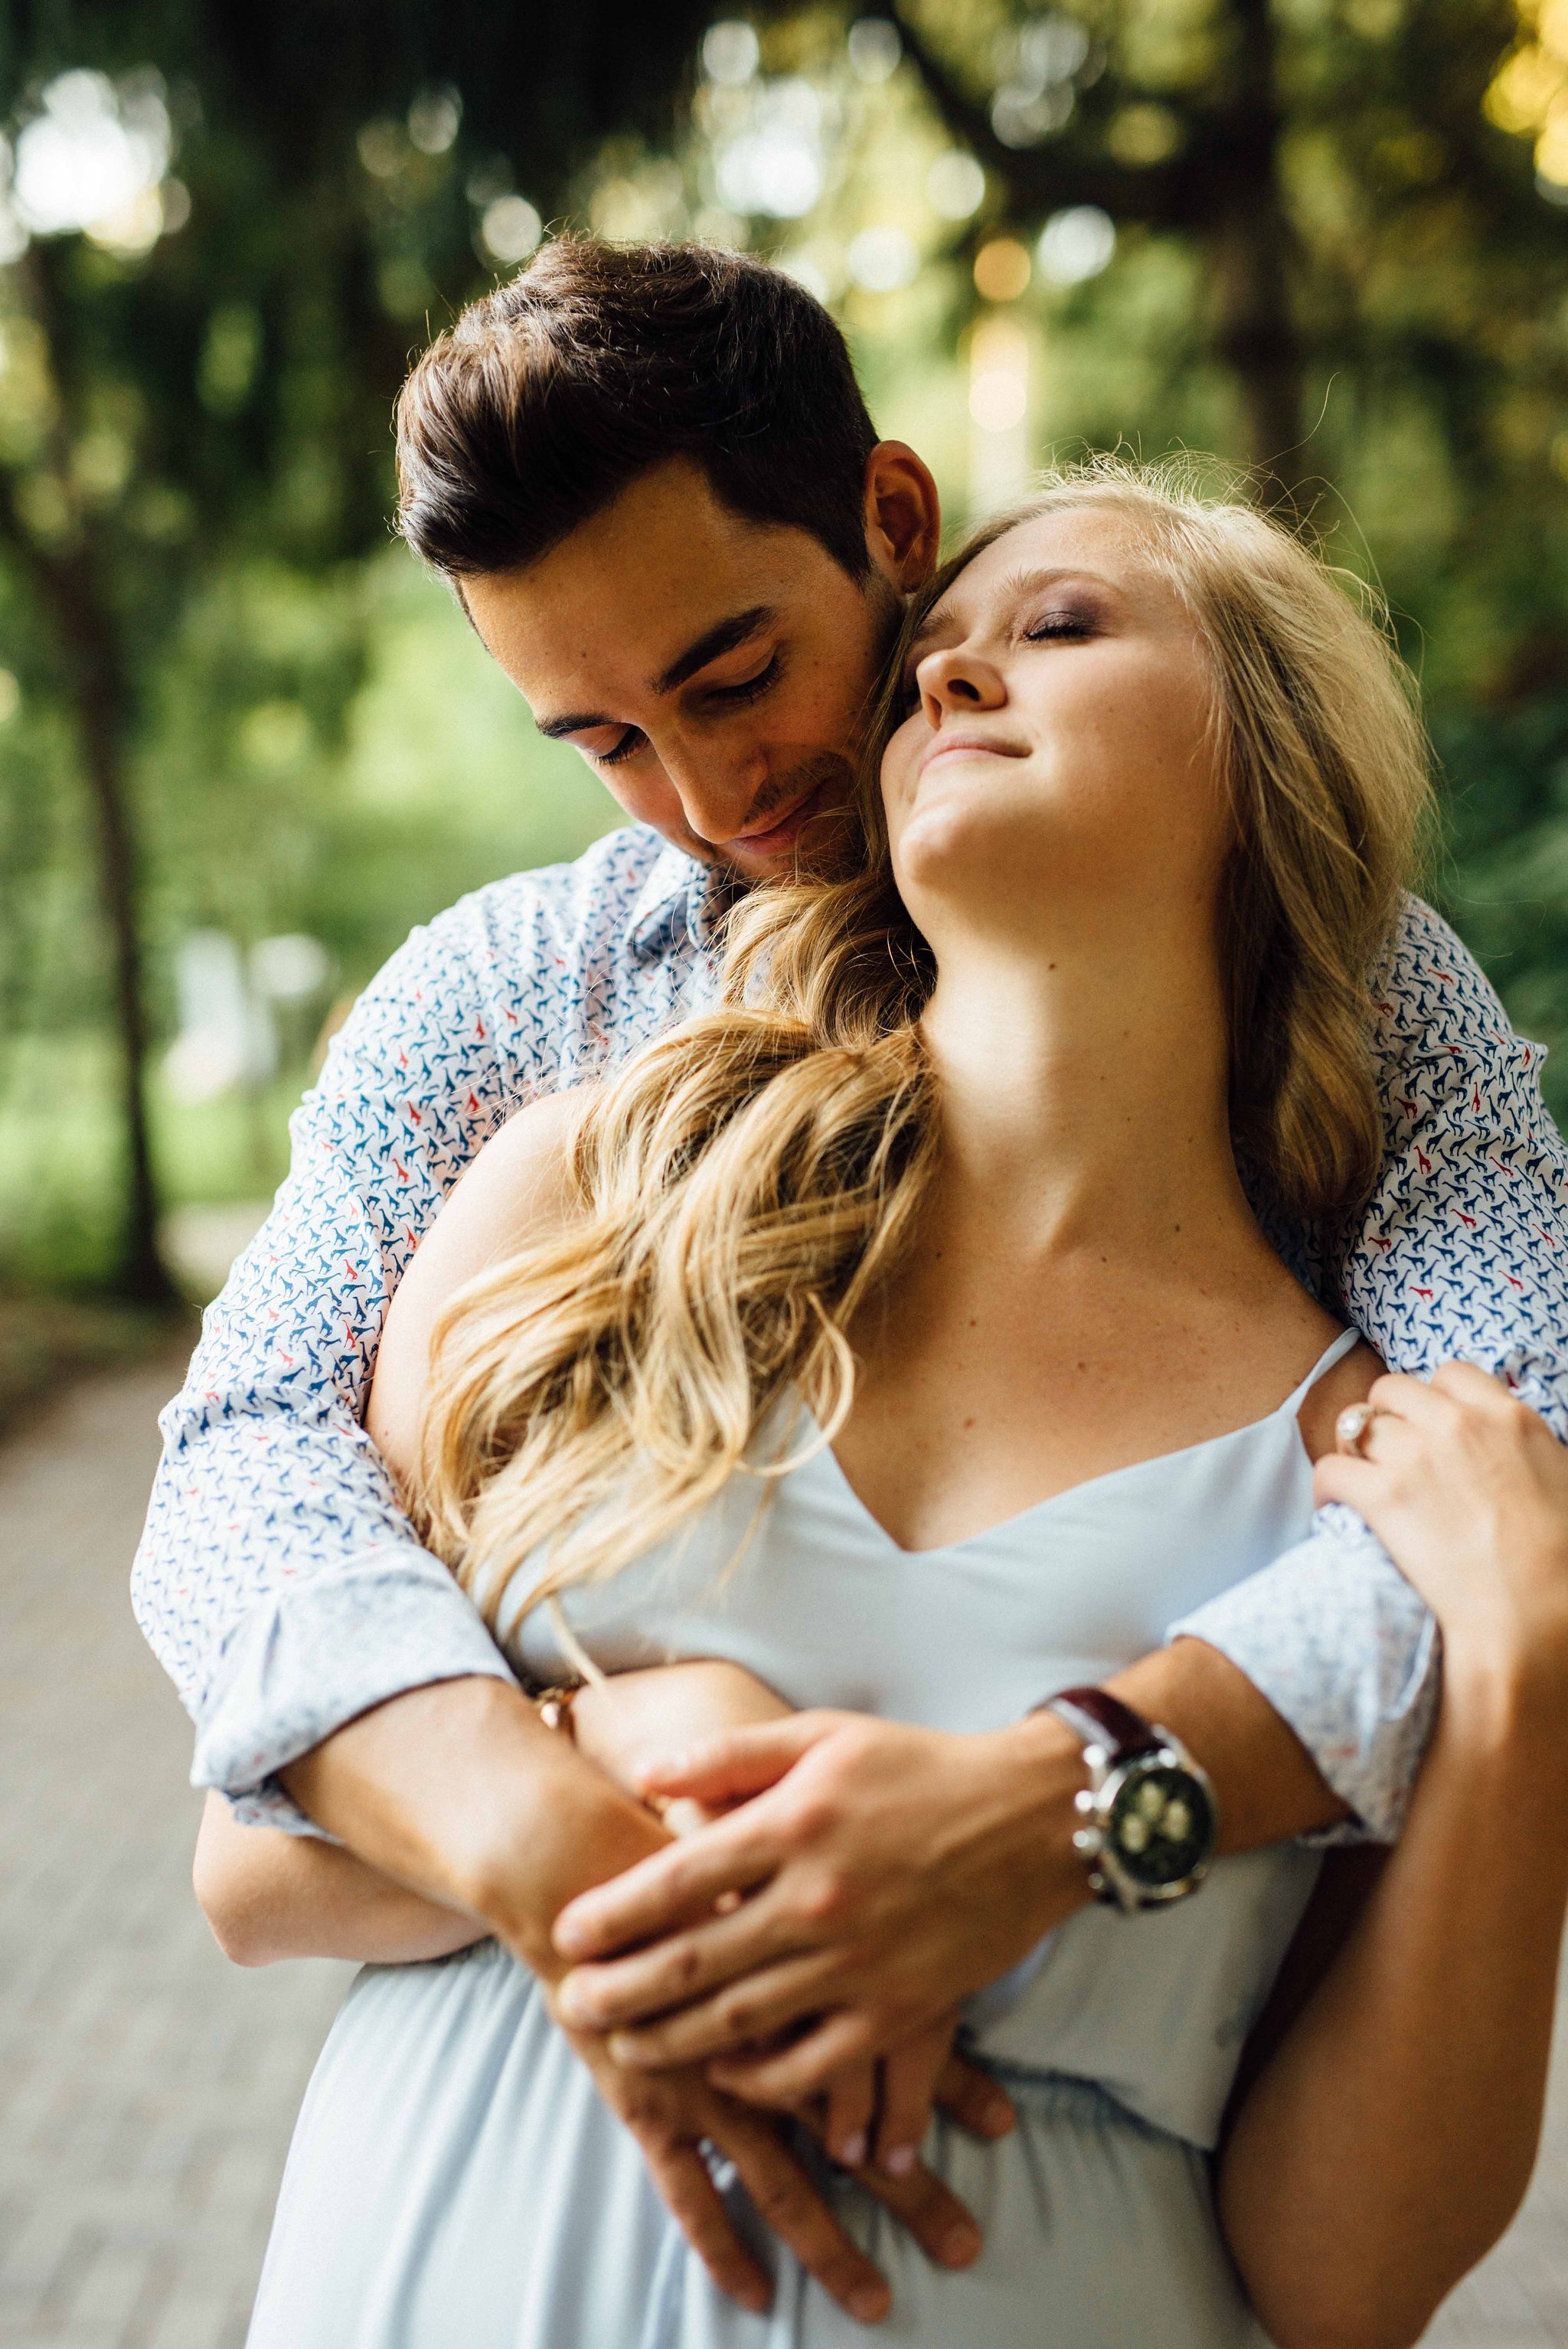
(147, 2087)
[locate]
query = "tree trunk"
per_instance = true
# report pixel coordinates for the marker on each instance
(1250, 247)
(93, 673)
(92, 666)
(90, 660)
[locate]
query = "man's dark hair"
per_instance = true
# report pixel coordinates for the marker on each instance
(598, 361)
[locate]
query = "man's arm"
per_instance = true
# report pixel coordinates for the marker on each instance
(278, 1579)
(1463, 1252)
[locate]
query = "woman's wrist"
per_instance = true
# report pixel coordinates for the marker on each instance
(1503, 1696)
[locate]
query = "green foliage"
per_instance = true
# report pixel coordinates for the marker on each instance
(1332, 260)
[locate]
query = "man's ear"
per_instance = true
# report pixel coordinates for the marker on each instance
(904, 516)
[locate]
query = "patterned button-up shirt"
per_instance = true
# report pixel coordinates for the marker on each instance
(285, 1591)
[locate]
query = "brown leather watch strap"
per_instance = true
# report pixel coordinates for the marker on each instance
(1101, 1719)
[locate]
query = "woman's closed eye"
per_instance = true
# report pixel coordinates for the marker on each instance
(1068, 626)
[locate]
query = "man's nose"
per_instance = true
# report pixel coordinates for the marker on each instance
(717, 788)
(954, 681)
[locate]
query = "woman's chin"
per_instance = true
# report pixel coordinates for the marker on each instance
(955, 848)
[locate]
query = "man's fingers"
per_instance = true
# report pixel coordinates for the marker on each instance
(932, 2213)
(754, 2008)
(670, 1887)
(737, 1763)
(968, 2095)
(681, 2177)
(789, 2077)
(787, 2200)
(690, 1966)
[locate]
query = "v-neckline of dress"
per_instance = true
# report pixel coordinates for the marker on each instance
(823, 1453)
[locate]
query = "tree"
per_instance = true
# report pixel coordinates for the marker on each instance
(210, 367)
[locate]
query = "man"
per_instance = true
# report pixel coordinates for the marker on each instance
(651, 478)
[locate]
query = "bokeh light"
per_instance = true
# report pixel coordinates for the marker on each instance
(1002, 269)
(1076, 245)
(956, 185)
(509, 228)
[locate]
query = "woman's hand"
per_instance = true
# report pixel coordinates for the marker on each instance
(626, 1722)
(1467, 1488)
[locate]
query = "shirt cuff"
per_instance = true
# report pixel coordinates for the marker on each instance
(1345, 1652)
(314, 1655)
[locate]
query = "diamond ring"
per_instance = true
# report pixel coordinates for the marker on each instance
(1350, 1427)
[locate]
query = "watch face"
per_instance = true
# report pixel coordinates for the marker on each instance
(1161, 1825)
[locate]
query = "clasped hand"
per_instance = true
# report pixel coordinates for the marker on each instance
(862, 1878)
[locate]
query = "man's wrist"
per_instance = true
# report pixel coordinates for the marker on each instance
(1046, 1770)
(459, 1791)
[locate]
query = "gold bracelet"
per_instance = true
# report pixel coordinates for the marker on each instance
(554, 1708)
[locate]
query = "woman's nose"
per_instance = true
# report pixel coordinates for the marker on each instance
(957, 680)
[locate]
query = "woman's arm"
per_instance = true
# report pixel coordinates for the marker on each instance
(1390, 2139)
(268, 1895)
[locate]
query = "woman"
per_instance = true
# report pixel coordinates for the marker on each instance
(861, 1344)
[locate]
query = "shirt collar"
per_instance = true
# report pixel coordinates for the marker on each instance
(679, 894)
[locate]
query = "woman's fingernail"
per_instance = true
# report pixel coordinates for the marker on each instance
(959, 2246)
(868, 2304)
(625, 2051)
(853, 2151)
(900, 2161)
(571, 2004)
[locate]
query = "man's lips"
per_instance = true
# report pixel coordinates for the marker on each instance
(778, 833)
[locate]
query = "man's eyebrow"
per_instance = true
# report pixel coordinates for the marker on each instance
(575, 723)
(722, 637)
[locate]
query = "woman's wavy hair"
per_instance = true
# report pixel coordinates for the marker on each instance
(744, 1183)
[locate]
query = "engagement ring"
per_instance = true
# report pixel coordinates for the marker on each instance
(1350, 1427)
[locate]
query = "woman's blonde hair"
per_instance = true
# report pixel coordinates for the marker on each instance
(745, 1182)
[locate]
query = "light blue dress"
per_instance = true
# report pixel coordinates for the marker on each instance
(454, 2181)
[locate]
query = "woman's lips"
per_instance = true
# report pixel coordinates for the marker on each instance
(959, 746)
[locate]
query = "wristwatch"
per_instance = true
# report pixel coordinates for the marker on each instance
(1149, 1817)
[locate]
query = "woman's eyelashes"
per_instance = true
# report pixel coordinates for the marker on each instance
(1070, 624)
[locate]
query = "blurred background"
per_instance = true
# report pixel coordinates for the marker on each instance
(244, 744)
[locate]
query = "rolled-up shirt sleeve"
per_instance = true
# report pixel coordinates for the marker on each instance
(1462, 1253)
(278, 1579)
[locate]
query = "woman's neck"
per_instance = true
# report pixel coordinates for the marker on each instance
(1085, 1099)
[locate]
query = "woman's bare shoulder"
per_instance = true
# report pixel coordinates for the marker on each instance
(1347, 1383)
(518, 1188)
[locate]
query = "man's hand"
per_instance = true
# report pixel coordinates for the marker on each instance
(890, 1871)
(459, 1791)
(671, 2113)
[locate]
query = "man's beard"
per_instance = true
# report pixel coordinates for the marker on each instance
(833, 772)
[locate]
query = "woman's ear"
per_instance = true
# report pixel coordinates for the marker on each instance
(904, 516)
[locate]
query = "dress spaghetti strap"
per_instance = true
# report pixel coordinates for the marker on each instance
(1345, 1343)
